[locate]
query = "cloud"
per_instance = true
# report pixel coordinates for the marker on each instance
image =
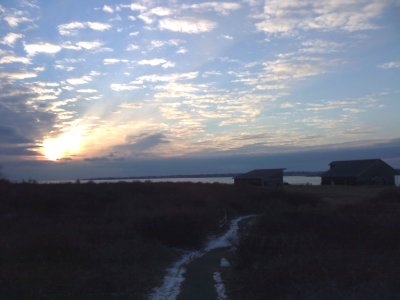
(20, 123)
(11, 38)
(168, 77)
(291, 16)
(74, 27)
(223, 8)
(146, 18)
(14, 59)
(127, 105)
(182, 50)
(158, 43)
(47, 48)
(286, 69)
(18, 75)
(176, 90)
(87, 91)
(187, 25)
(14, 21)
(79, 80)
(65, 64)
(98, 26)
(132, 47)
(85, 45)
(143, 143)
(161, 11)
(9, 135)
(157, 62)
(112, 61)
(320, 46)
(137, 7)
(390, 65)
(108, 9)
(64, 68)
(154, 78)
(121, 87)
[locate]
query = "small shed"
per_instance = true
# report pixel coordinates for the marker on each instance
(261, 177)
(359, 172)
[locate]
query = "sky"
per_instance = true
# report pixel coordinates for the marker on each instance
(118, 88)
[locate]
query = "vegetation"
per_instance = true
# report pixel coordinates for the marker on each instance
(109, 240)
(114, 240)
(341, 251)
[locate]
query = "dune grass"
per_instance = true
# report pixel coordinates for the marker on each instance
(341, 251)
(109, 240)
(115, 240)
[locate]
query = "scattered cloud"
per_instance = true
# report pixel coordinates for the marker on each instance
(14, 21)
(112, 61)
(390, 65)
(223, 8)
(168, 77)
(291, 17)
(108, 9)
(137, 7)
(85, 45)
(87, 91)
(11, 38)
(14, 59)
(74, 27)
(157, 62)
(161, 11)
(20, 75)
(122, 87)
(159, 43)
(79, 80)
(132, 47)
(320, 46)
(46, 48)
(227, 37)
(187, 25)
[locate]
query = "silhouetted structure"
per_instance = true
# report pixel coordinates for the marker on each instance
(359, 172)
(261, 177)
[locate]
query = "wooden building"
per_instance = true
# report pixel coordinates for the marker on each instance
(261, 177)
(359, 172)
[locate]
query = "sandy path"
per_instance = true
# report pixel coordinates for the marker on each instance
(199, 280)
(197, 274)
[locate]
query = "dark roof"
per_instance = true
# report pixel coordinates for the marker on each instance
(354, 168)
(260, 173)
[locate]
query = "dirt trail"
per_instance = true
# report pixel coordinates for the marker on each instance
(196, 276)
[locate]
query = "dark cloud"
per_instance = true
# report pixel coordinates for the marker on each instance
(20, 123)
(139, 145)
(98, 159)
(145, 142)
(9, 135)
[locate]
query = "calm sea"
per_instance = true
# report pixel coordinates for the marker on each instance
(293, 180)
(227, 180)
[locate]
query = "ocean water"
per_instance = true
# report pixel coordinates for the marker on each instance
(300, 180)
(293, 180)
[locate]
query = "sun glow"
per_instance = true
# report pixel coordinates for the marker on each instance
(66, 144)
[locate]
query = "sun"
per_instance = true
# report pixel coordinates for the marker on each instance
(66, 144)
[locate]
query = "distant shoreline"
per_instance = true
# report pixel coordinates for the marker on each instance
(224, 175)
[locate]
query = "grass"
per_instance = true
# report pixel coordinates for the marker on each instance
(114, 240)
(332, 250)
(109, 240)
